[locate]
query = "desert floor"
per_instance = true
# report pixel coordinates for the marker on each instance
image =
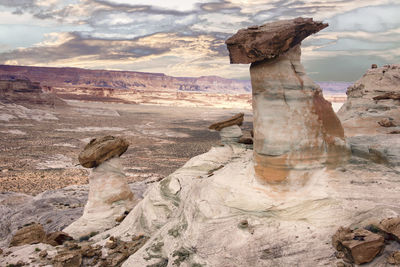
(38, 154)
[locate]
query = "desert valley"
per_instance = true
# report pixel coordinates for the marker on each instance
(123, 168)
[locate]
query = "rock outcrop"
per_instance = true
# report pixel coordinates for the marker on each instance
(101, 149)
(235, 120)
(20, 90)
(359, 246)
(268, 41)
(30, 234)
(373, 103)
(109, 193)
(295, 128)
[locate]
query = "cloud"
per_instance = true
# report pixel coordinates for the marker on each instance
(186, 37)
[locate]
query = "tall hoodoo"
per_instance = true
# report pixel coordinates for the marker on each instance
(295, 128)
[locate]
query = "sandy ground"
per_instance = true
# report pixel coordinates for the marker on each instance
(39, 147)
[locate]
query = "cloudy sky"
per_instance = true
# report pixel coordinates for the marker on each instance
(186, 37)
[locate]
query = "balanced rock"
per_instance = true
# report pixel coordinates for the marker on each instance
(270, 40)
(359, 246)
(295, 128)
(235, 120)
(109, 193)
(101, 149)
(30, 234)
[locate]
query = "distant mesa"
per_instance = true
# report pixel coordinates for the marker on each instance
(20, 90)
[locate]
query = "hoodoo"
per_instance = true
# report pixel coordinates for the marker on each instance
(295, 128)
(109, 194)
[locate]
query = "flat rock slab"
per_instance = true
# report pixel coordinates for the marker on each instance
(270, 40)
(359, 246)
(101, 149)
(235, 120)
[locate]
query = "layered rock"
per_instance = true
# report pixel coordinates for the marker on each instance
(295, 128)
(359, 246)
(229, 129)
(373, 103)
(20, 90)
(30, 234)
(109, 193)
(99, 150)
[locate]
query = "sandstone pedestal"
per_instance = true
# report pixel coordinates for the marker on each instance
(109, 193)
(230, 134)
(109, 197)
(295, 128)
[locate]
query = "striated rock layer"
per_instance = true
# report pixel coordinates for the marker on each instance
(21, 90)
(295, 128)
(373, 103)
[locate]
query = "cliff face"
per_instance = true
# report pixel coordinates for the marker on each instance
(373, 103)
(74, 77)
(21, 90)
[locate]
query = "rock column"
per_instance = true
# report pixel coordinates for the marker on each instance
(109, 193)
(295, 128)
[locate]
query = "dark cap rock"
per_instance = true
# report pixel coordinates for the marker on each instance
(101, 149)
(235, 120)
(270, 40)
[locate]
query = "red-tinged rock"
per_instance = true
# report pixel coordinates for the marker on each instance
(101, 149)
(31, 234)
(235, 120)
(391, 226)
(359, 246)
(57, 238)
(270, 40)
(386, 123)
(394, 258)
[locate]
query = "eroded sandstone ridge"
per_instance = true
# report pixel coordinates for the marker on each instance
(110, 196)
(373, 103)
(295, 128)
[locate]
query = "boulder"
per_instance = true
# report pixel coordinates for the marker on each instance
(394, 258)
(57, 238)
(359, 246)
(235, 120)
(385, 122)
(391, 226)
(268, 41)
(101, 149)
(68, 259)
(31, 234)
(374, 66)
